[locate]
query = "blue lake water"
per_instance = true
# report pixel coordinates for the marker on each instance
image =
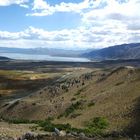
(42, 57)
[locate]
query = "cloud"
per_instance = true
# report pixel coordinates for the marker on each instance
(114, 10)
(42, 8)
(21, 3)
(94, 37)
(118, 20)
(34, 37)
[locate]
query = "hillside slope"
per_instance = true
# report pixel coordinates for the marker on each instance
(112, 94)
(124, 51)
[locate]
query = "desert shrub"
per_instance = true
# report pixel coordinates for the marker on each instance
(66, 127)
(73, 99)
(75, 115)
(33, 104)
(96, 126)
(60, 116)
(78, 130)
(19, 121)
(119, 83)
(98, 122)
(50, 118)
(65, 88)
(83, 97)
(6, 104)
(91, 104)
(47, 125)
(83, 83)
(92, 128)
(79, 91)
(72, 108)
(50, 127)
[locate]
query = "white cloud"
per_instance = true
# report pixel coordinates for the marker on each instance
(33, 37)
(81, 37)
(21, 3)
(104, 7)
(114, 11)
(119, 22)
(42, 8)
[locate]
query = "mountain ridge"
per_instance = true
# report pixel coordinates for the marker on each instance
(123, 51)
(45, 51)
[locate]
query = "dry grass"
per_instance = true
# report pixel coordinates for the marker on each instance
(114, 96)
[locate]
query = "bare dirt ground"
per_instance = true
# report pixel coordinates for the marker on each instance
(14, 130)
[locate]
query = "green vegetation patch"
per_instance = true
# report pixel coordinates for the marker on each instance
(96, 126)
(72, 108)
(47, 125)
(20, 121)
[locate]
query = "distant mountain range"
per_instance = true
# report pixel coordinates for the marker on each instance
(44, 51)
(124, 51)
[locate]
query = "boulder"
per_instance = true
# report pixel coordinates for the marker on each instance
(62, 133)
(82, 135)
(74, 133)
(29, 136)
(57, 131)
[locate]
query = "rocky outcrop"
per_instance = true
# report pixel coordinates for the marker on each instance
(56, 135)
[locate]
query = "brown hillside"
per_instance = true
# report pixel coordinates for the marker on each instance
(113, 95)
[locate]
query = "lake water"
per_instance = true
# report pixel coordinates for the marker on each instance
(42, 57)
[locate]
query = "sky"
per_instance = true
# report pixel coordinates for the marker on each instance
(68, 24)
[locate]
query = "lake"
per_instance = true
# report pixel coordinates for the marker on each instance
(43, 57)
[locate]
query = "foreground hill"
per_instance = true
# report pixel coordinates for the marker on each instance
(124, 51)
(78, 98)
